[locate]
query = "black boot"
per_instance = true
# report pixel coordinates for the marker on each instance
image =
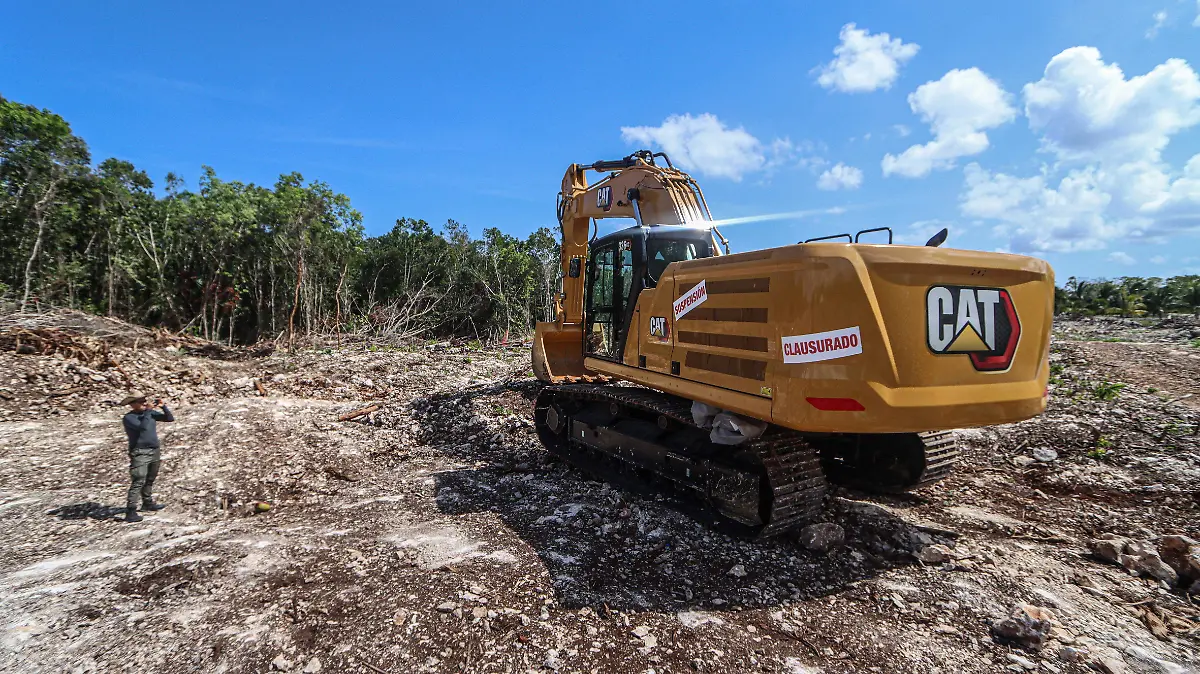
(132, 516)
(151, 506)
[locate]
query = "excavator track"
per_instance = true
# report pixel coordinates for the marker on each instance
(642, 439)
(889, 463)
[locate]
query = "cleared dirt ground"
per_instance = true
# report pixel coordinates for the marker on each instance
(435, 534)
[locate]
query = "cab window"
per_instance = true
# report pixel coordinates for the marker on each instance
(662, 252)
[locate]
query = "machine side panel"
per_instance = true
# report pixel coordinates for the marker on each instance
(724, 332)
(857, 338)
(654, 326)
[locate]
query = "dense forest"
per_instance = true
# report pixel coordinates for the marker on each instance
(240, 262)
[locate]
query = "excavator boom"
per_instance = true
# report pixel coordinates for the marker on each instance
(638, 189)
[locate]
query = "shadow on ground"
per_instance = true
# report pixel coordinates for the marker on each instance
(89, 510)
(605, 546)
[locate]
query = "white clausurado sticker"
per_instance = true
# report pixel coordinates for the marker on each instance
(822, 346)
(692, 299)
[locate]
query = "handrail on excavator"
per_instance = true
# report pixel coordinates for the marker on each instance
(875, 229)
(828, 238)
(851, 239)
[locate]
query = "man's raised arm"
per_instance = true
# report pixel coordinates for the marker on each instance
(164, 415)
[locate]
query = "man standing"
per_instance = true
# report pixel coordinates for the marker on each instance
(141, 427)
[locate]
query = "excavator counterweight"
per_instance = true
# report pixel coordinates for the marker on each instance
(753, 379)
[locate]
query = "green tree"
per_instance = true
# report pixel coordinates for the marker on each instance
(239, 262)
(39, 159)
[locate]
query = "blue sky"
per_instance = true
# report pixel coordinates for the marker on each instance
(1059, 129)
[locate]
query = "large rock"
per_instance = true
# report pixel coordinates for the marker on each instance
(1151, 662)
(935, 554)
(1072, 654)
(1045, 454)
(1183, 555)
(822, 537)
(1108, 547)
(1109, 664)
(1023, 663)
(1149, 563)
(1028, 627)
(1176, 559)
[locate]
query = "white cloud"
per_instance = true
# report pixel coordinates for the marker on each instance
(919, 232)
(840, 177)
(865, 62)
(1037, 216)
(1109, 181)
(958, 108)
(1087, 110)
(779, 152)
(902, 130)
(1196, 23)
(705, 145)
(1121, 257)
(1160, 18)
(1158, 259)
(812, 163)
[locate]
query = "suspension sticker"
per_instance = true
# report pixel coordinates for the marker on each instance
(822, 346)
(690, 300)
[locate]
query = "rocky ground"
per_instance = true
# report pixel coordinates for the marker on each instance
(432, 533)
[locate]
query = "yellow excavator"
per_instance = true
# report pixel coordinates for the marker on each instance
(748, 382)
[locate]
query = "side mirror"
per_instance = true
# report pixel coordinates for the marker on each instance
(938, 239)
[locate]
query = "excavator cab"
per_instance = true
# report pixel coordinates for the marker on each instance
(603, 277)
(620, 267)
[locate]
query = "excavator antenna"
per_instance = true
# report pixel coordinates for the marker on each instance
(938, 239)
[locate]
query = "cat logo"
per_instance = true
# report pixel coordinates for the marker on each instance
(604, 198)
(979, 322)
(659, 328)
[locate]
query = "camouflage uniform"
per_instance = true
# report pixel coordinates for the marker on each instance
(144, 456)
(143, 469)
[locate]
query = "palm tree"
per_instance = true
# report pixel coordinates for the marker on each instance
(1156, 300)
(1191, 297)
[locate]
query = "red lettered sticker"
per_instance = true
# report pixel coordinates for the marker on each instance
(822, 346)
(690, 300)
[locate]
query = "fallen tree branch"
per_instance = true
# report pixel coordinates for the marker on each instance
(349, 416)
(1175, 400)
(1040, 539)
